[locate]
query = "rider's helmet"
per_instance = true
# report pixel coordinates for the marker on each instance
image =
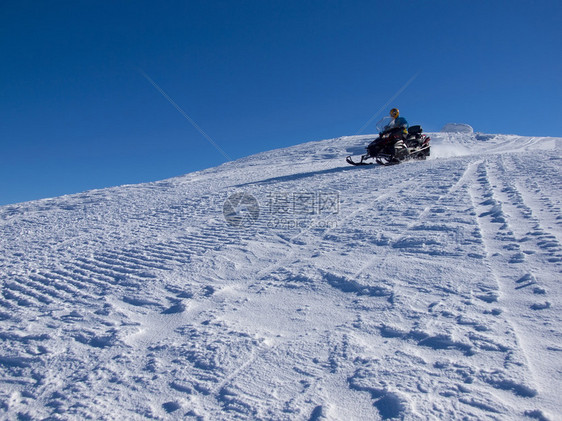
(394, 113)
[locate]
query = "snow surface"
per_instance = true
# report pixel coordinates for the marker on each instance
(426, 290)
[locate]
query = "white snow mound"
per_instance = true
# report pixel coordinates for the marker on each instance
(457, 128)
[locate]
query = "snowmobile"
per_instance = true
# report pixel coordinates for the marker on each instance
(393, 146)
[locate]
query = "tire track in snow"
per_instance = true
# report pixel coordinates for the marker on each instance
(474, 332)
(421, 215)
(503, 252)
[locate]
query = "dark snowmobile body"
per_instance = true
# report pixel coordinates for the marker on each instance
(394, 146)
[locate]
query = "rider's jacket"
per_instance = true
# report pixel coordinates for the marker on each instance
(397, 122)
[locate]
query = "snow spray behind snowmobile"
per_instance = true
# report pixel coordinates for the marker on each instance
(393, 146)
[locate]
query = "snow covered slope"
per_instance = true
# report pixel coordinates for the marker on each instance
(427, 290)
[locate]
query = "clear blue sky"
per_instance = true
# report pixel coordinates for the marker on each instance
(77, 114)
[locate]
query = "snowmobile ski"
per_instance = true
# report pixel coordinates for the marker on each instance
(349, 160)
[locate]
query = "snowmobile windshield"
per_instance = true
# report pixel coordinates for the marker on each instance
(384, 124)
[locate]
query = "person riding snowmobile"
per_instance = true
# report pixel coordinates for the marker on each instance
(397, 121)
(396, 142)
